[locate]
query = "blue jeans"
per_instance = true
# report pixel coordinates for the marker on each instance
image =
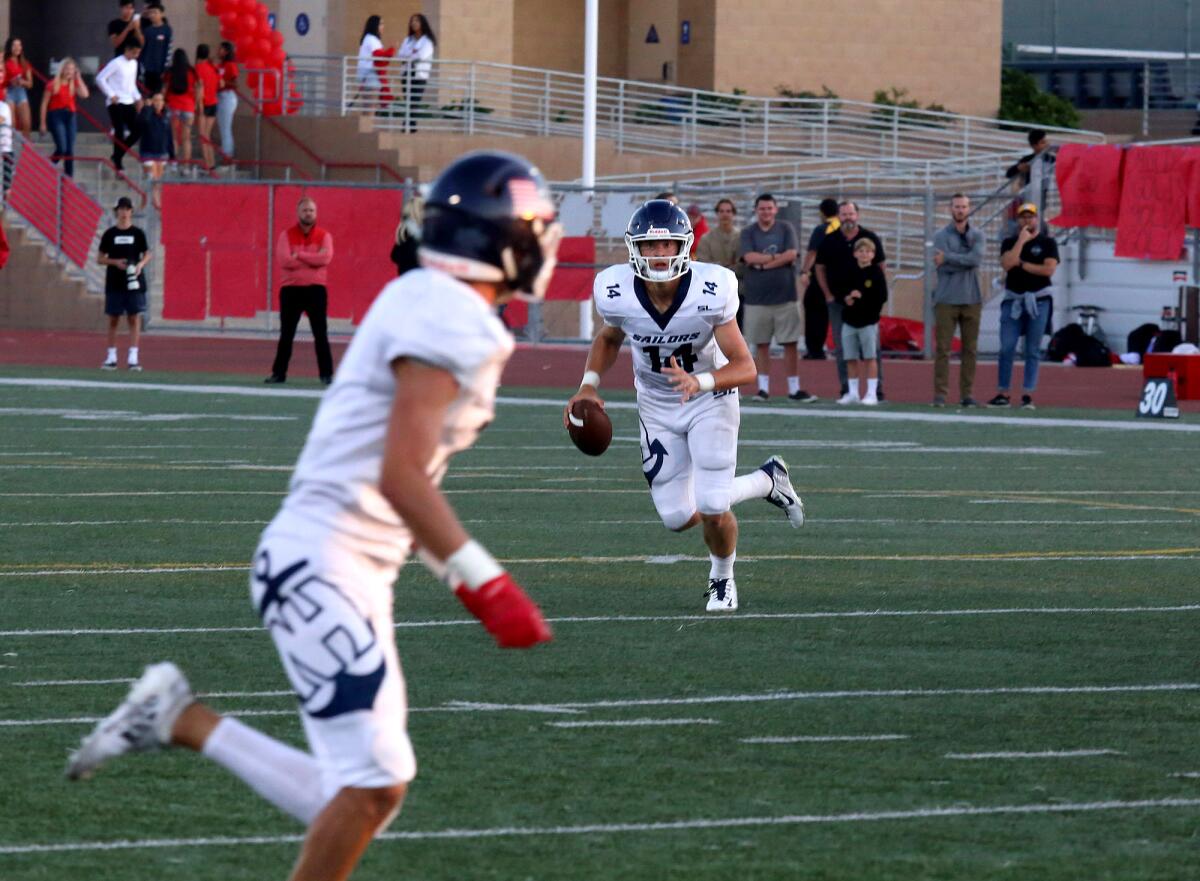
(62, 127)
(1033, 328)
(227, 103)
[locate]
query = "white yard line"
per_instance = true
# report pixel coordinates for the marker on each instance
(1044, 754)
(1009, 557)
(606, 619)
(682, 825)
(1025, 422)
(826, 738)
(631, 723)
(573, 707)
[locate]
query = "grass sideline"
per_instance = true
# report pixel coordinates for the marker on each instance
(959, 534)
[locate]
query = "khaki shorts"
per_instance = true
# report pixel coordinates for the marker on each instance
(763, 322)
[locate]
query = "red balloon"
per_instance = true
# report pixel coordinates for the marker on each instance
(277, 57)
(248, 24)
(262, 47)
(213, 7)
(229, 21)
(247, 7)
(276, 39)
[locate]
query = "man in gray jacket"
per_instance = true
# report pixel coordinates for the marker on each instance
(957, 300)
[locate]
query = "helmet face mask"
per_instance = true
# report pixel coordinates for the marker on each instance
(659, 220)
(489, 217)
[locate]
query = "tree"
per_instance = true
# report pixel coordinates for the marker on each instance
(1022, 101)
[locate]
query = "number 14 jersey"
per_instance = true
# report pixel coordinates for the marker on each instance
(707, 297)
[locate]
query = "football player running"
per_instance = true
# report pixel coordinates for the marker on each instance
(688, 360)
(417, 384)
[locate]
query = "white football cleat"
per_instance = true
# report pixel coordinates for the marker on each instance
(722, 595)
(870, 400)
(782, 494)
(141, 723)
(848, 399)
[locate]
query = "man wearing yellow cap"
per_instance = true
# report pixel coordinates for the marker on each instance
(1029, 258)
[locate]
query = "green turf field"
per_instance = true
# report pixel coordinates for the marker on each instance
(978, 660)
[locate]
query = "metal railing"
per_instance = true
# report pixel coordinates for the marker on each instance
(471, 97)
(55, 209)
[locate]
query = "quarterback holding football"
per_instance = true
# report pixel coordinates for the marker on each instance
(688, 360)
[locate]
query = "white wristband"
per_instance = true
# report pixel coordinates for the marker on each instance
(471, 565)
(707, 381)
(591, 378)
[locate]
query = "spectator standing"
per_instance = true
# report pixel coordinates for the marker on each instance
(117, 80)
(416, 58)
(835, 270)
(227, 100)
(124, 251)
(769, 248)
(59, 106)
(303, 253)
(722, 245)
(18, 79)
(210, 78)
(7, 161)
(370, 84)
(408, 236)
(816, 313)
(158, 147)
(700, 226)
(184, 93)
(861, 309)
(156, 51)
(4, 249)
(124, 27)
(1030, 258)
(1034, 166)
(957, 299)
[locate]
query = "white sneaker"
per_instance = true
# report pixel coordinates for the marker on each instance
(870, 400)
(783, 494)
(135, 367)
(110, 364)
(141, 723)
(722, 595)
(848, 399)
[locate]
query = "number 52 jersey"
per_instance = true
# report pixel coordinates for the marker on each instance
(707, 297)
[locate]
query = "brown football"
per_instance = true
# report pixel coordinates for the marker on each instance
(590, 427)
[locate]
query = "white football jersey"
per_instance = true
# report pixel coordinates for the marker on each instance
(430, 317)
(707, 297)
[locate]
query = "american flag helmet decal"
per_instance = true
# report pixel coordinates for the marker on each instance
(528, 200)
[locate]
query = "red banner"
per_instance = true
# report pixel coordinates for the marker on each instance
(1089, 183)
(1191, 171)
(216, 254)
(1153, 204)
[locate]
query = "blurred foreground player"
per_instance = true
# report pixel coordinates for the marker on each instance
(417, 385)
(688, 360)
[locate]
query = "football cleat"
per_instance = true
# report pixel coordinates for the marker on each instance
(722, 595)
(142, 722)
(782, 494)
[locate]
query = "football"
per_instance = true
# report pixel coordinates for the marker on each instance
(590, 427)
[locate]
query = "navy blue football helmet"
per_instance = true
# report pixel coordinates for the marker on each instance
(659, 219)
(489, 217)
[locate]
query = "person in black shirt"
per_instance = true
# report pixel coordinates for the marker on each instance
(126, 26)
(1029, 258)
(834, 269)
(861, 308)
(816, 313)
(125, 252)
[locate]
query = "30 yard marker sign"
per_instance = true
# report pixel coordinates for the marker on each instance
(1158, 400)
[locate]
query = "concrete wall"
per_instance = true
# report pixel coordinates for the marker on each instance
(645, 61)
(549, 33)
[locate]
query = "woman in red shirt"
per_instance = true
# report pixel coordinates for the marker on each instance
(226, 96)
(210, 78)
(183, 94)
(18, 75)
(58, 111)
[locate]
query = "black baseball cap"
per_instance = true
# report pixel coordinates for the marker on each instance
(124, 202)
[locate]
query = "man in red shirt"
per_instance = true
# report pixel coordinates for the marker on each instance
(303, 252)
